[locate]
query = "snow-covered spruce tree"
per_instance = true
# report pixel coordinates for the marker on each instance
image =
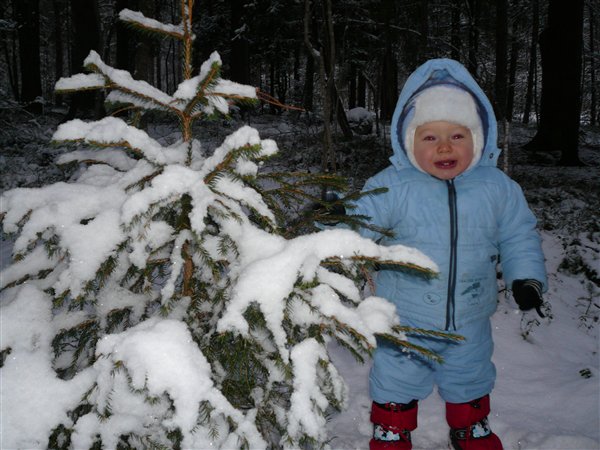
(153, 301)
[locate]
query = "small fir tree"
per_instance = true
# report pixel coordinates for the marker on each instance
(155, 301)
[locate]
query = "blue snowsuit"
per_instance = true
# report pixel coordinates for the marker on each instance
(466, 225)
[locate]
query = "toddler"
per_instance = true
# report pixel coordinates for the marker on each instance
(447, 198)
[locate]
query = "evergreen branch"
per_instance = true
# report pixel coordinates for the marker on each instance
(122, 81)
(273, 101)
(412, 347)
(142, 182)
(247, 150)
(426, 332)
(410, 267)
(139, 21)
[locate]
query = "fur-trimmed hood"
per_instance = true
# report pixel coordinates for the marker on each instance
(435, 72)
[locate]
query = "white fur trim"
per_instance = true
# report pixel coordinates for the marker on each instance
(450, 104)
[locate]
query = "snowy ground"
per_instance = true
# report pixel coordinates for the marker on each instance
(548, 392)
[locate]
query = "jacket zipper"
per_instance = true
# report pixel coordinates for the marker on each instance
(450, 305)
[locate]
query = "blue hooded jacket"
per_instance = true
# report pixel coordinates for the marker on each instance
(466, 225)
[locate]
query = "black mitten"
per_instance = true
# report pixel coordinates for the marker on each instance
(528, 295)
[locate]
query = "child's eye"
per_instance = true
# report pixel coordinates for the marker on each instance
(458, 136)
(429, 137)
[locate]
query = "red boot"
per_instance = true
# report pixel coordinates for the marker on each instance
(393, 423)
(469, 427)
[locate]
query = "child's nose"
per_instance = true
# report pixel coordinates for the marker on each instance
(444, 146)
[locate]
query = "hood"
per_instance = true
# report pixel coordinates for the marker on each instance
(442, 72)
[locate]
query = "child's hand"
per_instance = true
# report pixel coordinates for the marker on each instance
(528, 295)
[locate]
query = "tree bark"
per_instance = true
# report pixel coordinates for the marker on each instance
(124, 55)
(361, 90)
(561, 47)
(28, 18)
(455, 41)
(59, 63)
(239, 63)
(85, 26)
(500, 83)
(532, 61)
(143, 68)
(352, 86)
(473, 8)
(594, 118)
(388, 85)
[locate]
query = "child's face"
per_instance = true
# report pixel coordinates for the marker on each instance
(443, 149)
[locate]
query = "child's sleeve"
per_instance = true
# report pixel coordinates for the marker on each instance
(520, 245)
(374, 208)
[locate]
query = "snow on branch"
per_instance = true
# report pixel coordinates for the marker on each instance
(160, 358)
(215, 91)
(138, 19)
(27, 330)
(114, 132)
(122, 80)
(306, 361)
(300, 258)
(84, 218)
(80, 81)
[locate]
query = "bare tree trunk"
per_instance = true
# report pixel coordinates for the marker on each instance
(85, 26)
(500, 85)
(388, 85)
(309, 84)
(455, 41)
(594, 118)
(144, 48)
(473, 8)
(28, 18)
(328, 162)
(513, 31)
(532, 61)
(124, 55)
(352, 86)
(561, 46)
(388, 80)
(329, 58)
(239, 62)
(361, 90)
(59, 64)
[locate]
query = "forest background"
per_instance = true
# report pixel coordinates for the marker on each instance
(310, 60)
(325, 57)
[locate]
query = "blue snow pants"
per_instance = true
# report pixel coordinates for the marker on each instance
(466, 373)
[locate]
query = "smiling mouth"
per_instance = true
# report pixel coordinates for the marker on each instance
(446, 164)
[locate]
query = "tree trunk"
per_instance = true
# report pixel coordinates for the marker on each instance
(28, 18)
(473, 7)
(361, 90)
(143, 68)
(309, 84)
(124, 55)
(594, 119)
(85, 26)
(388, 76)
(239, 63)
(561, 46)
(532, 61)
(59, 63)
(513, 31)
(416, 41)
(500, 84)
(455, 41)
(352, 86)
(329, 59)
(388, 85)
